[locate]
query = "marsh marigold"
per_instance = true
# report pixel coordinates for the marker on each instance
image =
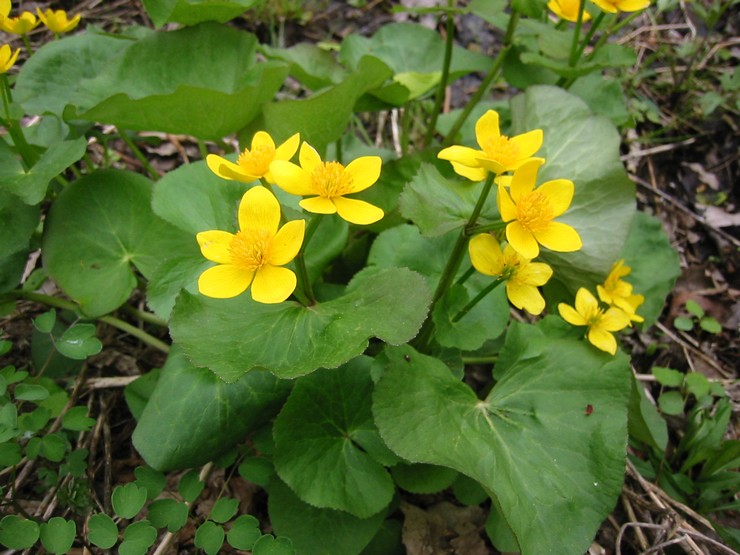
(498, 153)
(617, 292)
(21, 25)
(57, 21)
(614, 6)
(568, 9)
(600, 323)
(7, 58)
(328, 183)
(521, 276)
(530, 212)
(255, 254)
(254, 162)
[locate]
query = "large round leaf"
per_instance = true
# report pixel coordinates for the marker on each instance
(98, 227)
(548, 442)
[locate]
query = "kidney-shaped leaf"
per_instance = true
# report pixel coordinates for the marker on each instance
(235, 336)
(191, 12)
(554, 465)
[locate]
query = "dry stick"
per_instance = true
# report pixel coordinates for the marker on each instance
(696, 351)
(633, 519)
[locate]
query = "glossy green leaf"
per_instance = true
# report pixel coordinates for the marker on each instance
(190, 486)
(312, 65)
(79, 342)
(17, 532)
(19, 223)
(325, 439)
(58, 535)
(138, 392)
(128, 500)
(244, 532)
(209, 537)
(97, 228)
(10, 454)
(168, 512)
(103, 532)
(45, 322)
(316, 531)
(169, 435)
(423, 478)
(290, 340)
(54, 447)
(153, 480)
(30, 392)
(645, 422)
(191, 12)
(137, 538)
(505, 442)
(224, 509)
(77, 420)
(270, 545)
(668, 376)
(585, 149)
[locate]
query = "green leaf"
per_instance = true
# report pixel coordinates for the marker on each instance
(76, 419)
(697, 383)
(128, 500)
(710, 325)
(45, 322)
(79, 342)
(671, 403)
(168, 436)
(505, 442)
(58, 535)
(243, 533)
(168, 512)
(10, 454)
(224, 509)
(103, 532)
(313, 66)
(190, 12)
(468, 491)
(137, 538)
(172, 82)
(290, 340)
(17, 532)
(153, 480)
(340, 532)
(269, 545)
(30, 392)
(668, 377)
(322, 118)
(604, 96)
(325, 438)
(190, 486)
(585, 149)
(97, 227)
(654, 262)
(19, 223)
(139, 391)
(683, 323)
(209, 537)
(35, 420)
(423, 478)
(645, 423)
(257, 470)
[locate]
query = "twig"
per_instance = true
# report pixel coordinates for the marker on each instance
(713, 363)
(109, 383)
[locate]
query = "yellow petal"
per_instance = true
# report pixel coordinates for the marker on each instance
(559, 237)
(309, 158)
(606, 5)
(461, 154)
(259, 210)
(287, 150)
(559, 193)
(318, 205)
(632, 5)
(534, 273)
(5, 8)
(602, 340)
(224, 281)
(489, 165)
(529, 142)
(525, 297)
(586, 303)
(357, 211)
(228, 170)
(262, 138)
(485, 254)
(525, 178)
(287, 242)
(364, 172)
(215, 245)
(506, 207)
(291, 178)
(487, 128)
(614, 319)
(522, 240)
(474, 174)
(570, 315)
(273, 285)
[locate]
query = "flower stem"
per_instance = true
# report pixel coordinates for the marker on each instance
(487, 80)
(463, 278)
(153, 173)
(27, 44)
(28, 155)
(440, 95)
(573, 58)
(300, 262)
(468, 307)
(494, 226)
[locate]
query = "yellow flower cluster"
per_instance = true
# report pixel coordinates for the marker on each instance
(256, 253)
(568, 9)
(54, 20)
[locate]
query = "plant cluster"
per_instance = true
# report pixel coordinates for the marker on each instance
(327, 295)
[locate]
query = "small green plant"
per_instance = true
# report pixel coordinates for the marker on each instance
(696, 316)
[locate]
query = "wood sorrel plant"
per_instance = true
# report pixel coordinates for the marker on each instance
(335, 304)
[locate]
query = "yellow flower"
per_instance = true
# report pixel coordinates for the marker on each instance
(19, 25)
(498, 153)
(56, 20)
(522, 276)
(617, 292)
(614, 6)
(4, 9)
(330, 182)
(531, 211)
(7, 58)
(255, 162)
(568, 9)
(254, 255)
(600, 323)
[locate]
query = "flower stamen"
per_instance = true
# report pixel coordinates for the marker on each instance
(534, 211)
(501, 149)
(257, 161)
(250, 249)
(330, 180)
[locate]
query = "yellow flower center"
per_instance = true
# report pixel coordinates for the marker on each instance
(534, 211)
(502, 150)
(250, 249)
(257, 161)
(330, 180)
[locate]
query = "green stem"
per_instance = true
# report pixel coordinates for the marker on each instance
(405, 126)
(468, 307)
(144, 316)
(202, 149)
(487, 80)
(595, 24)
(463, 278)
(28, 155)
(573, 58)
(110, 320)
(300, 262)
(485, 228)
(338, 149)
(153, 173)
(27, 44)
(440, 95)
